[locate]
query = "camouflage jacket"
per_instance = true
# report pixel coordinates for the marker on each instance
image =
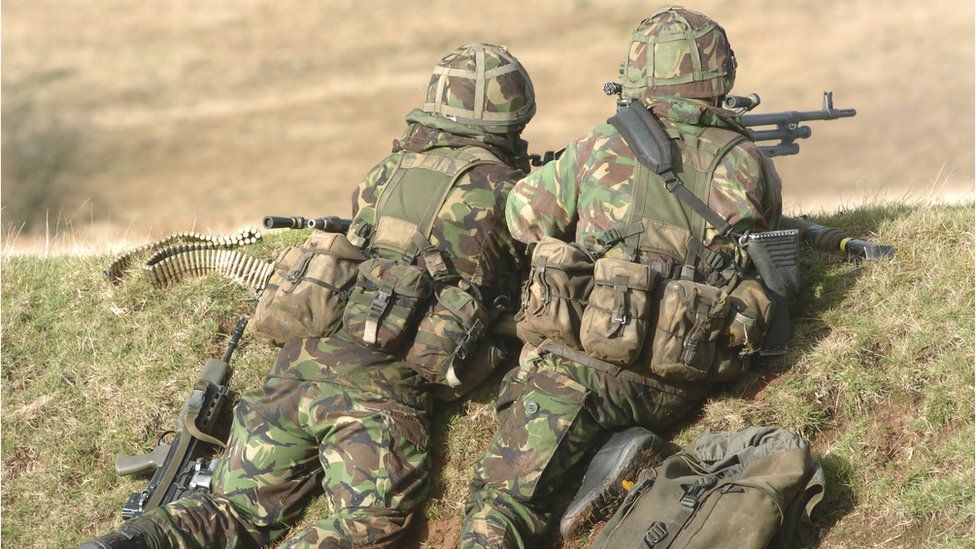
(588, 190)
(469, 230)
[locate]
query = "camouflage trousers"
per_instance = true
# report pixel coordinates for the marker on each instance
(554, 413)
(300, 435)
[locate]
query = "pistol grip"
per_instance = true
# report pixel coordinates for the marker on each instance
(146, 463)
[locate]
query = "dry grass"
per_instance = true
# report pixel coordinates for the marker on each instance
(216, 114)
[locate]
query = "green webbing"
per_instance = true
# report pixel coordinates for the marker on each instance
(422, 189)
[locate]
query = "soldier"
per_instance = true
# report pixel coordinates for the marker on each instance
(601, 200)
(349, 414)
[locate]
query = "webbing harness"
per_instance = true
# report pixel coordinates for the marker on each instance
(651, 145)
(430, 175)
(443, 168)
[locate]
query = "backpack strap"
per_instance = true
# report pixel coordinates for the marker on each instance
(649, 140)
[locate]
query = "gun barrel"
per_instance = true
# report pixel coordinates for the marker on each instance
(330, 224)
(275, 222)
(235, 338)
(794, 117)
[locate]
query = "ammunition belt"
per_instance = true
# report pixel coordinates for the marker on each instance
(187, 255)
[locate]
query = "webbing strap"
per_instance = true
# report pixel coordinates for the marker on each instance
(677, 188)
(190, 425)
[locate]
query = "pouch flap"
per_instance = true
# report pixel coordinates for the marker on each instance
(561, 255)
(693, 294)
(333, 244)
(406, 280)
(393, 233)
(287, 257)
(639, 277)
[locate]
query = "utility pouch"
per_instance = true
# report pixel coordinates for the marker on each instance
(385, 301)
(617, 316)
(447, 336)
(308, 289)
(774, 254)
(691, 316)
(555, 294)
(751, 311)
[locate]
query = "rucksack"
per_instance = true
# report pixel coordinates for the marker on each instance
(750, 489)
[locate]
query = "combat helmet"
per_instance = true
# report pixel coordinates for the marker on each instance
(481, 85)
(677, 51)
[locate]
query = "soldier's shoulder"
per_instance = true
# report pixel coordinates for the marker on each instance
(602, 141)
(493, 174)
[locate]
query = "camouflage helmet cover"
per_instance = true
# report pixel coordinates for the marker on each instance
(481, 85)
(678, 52)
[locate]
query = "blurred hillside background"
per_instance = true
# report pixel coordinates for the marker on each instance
(124, 120)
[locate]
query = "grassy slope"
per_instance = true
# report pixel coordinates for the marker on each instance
(881, 378)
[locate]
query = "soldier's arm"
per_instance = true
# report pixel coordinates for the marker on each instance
(746, 190)
(544, 203)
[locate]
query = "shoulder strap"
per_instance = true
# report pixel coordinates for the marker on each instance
(651, 145)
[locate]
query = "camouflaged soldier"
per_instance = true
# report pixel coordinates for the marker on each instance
(348, 414)
(598, 201)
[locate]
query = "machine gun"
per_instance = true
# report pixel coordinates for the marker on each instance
(328, 224)
(787, 124)
(177, 466)
(786, 132)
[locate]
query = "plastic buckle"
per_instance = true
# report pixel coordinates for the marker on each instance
(381, 301)
(610, 237)
(655, 534)
(695, 491)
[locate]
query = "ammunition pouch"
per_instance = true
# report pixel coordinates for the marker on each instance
(306, 293)
(690, 319)
(751, 311)
(555, 293)
(385, 302)
(448, 335)
(617, 316)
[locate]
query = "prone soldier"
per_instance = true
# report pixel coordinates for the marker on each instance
(642, 293)
(348, 414)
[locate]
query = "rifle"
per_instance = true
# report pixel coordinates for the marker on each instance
(177, 466)
(328, 224)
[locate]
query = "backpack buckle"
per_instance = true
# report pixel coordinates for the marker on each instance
(657, 532)
(696, 490)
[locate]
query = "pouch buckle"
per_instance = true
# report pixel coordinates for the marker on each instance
(655, 534)
(467, 343)
(381, 301)
(384, 296)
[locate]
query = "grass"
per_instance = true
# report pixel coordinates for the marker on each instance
(880, 378)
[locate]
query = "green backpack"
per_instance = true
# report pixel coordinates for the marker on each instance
(754, 488)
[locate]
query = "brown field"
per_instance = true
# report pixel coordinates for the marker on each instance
(128, 119)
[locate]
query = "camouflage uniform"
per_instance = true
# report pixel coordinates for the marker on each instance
(337, 416)
(560, 403)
